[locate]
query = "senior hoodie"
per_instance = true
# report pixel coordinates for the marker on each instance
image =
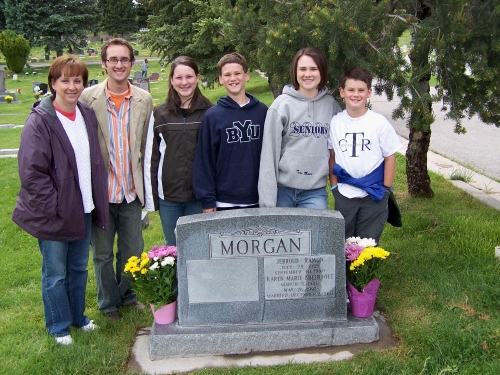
(294, 146)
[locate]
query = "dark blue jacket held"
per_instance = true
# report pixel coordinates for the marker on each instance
(49, 204)
(372, 183)
(226, 167)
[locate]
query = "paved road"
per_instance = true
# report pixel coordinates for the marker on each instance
(479, 148)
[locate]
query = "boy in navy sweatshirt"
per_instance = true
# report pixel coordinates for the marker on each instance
(226, 166)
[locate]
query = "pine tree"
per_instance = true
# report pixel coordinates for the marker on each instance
(456, 41)
(57, 25)
(118, 17)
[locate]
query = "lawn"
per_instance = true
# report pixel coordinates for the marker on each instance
(441, 293)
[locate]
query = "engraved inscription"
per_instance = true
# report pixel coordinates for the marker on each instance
(299, 277)
(260, 241)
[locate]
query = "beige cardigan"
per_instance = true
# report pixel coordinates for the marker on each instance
(140, 113)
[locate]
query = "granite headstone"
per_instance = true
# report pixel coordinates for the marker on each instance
(260, 280)
(154, 77)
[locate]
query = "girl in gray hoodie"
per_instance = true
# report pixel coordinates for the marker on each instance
(294, 158)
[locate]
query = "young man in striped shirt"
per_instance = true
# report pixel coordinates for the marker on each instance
(123, 112)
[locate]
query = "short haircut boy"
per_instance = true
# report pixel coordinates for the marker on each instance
(320, 60)
(358, 74)
(232, 58)
(227, 160)
(361, 177)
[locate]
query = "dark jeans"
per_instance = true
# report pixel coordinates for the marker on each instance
(113, 289)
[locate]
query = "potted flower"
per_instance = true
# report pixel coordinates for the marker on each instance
(8, 98)
(364, 260)
(154, 277)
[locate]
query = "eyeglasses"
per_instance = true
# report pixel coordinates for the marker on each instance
(114, 60)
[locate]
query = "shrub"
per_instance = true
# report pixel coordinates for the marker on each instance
(16, 50)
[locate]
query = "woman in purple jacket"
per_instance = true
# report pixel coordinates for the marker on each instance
(63, 188)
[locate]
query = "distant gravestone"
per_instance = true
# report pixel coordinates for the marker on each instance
(2, 81)
(143, 83)
(36, 86)
(255, 280)
(153, 77)
(44, 88)
(137, 75)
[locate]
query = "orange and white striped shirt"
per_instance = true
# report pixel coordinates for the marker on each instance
(120, 180)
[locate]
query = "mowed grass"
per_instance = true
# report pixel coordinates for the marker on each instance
(440, 295)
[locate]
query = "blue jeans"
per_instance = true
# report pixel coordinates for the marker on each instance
(64, 281)
(113, 289)
(170, 212)
(290, 197)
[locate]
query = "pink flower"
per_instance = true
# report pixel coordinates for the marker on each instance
(352, 251)
(162, 251)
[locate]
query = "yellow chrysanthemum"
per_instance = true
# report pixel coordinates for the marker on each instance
(144, 262)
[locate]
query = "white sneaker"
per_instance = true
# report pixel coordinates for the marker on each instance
(64, 340)
(90, 326)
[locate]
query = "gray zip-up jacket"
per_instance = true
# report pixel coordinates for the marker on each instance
(294, 147)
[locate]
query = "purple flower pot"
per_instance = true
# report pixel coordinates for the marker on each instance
(363, 304)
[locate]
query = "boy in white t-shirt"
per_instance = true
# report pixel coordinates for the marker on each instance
(363, 147)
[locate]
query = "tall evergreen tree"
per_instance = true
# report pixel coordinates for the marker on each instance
(2, 15)
(457, 41)
(184, 27)
(56, 25)
(118, 17)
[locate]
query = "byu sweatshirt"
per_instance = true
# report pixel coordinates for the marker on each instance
(226, 166)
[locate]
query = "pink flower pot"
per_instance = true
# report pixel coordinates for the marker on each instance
(363, 304)
(165, 314)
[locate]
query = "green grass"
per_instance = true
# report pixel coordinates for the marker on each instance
(440, 295)
(17, 112)
(9, 138)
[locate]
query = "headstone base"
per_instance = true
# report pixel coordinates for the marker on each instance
(172, 340)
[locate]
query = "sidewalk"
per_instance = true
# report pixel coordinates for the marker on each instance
(480, 187)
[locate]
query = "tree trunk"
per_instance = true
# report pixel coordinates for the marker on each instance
(417, 176)
(275, 89)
